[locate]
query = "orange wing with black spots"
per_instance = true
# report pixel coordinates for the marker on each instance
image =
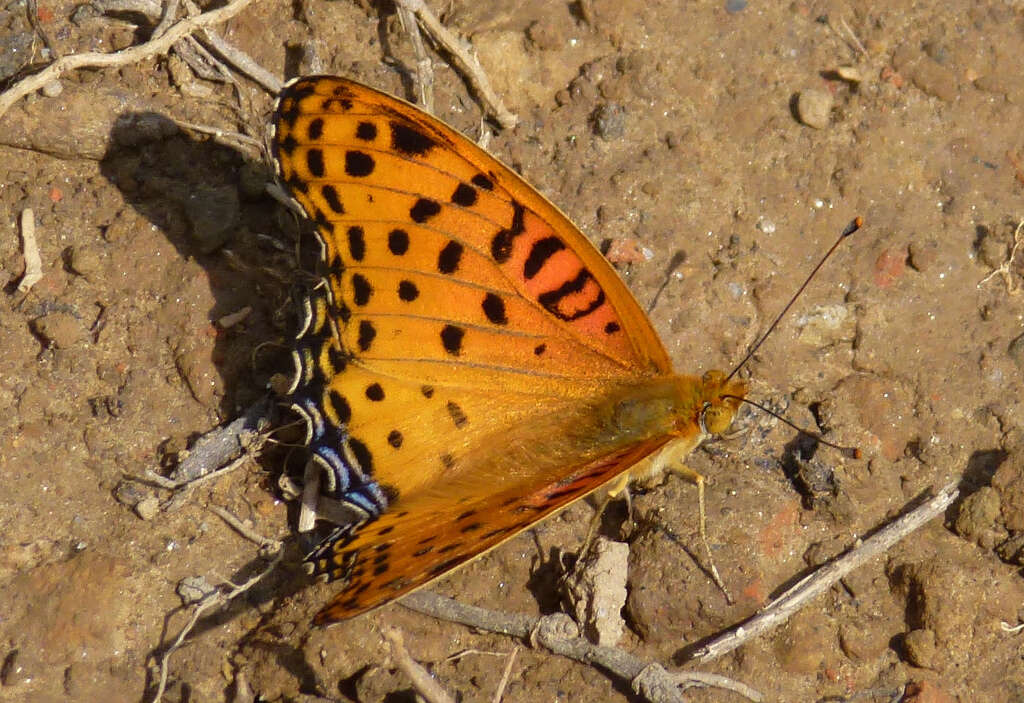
(468, 345)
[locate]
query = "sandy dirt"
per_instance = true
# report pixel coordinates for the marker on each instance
(666, 130)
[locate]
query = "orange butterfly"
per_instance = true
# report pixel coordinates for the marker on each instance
(470, 363)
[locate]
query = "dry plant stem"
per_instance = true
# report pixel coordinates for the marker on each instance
(207, 603)
(167, 18)
(464, 59)
(33, 18)
(505, 676)
(125, 57)
(238, 58)
(244, 530)
(1005, 268)
(779, 610)
(558, 634)
(223, 444)
(30, 252)
(422, 681)
(424, 68)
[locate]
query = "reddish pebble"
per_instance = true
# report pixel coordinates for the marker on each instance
(889, 266)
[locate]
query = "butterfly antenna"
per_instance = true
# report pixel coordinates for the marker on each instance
(854, 225)
(848, 452)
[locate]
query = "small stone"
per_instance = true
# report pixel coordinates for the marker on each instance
(130, 493)
(213, 213)
(1016, 351)
(978, 514)
(596, 591)
(85, 261)
(53, 88)
(59, 329)
(17, 670)
(148, 508)
(609, 121)
(734, 6)
(890, 266)
(1009, 482)
(921, 649)
(850, 74)
(814, 108)
(1012, 550)
(923, 255)
(252, 181)
(193, 589)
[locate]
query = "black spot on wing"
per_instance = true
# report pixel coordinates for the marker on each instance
(407, 291)
(409, 140)
(494, 308)
(356, 243)
(501, 243)
(330, 194)
(451, 338)
(366, 334)
(358, 164)
(424, 209)
(540, 252)
(315, 162)
(398, 242)
(448, 259)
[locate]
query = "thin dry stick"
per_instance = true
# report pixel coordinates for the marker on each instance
(210, 601)
(118, 58)
(244, 530)
(776, 612)
(422, 681)
(559, 634)
(505, 676)
(238, 58)
(424, 67)
(1005, 268)
(30, 251)
(464, 59)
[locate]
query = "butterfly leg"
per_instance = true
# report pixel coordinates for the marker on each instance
(695, 477)
(618, 486)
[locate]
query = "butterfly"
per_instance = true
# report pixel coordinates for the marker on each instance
(469, 363)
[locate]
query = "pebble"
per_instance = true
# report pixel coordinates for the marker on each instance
(59, 329)
(213, 213)
(921, 649)
(193, 589)
(1016, 351)
(148, 508)
(85, 261)
(53, 88)
(978, 514)
(596, 591)
(814, 108)
(609, 121)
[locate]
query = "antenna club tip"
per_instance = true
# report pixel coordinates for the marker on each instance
(852, 453)
(854, 225)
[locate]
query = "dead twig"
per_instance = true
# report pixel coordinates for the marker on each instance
(464, 60)
(424, 67)
(422, 681)
(241, 528)
(213, 600)
(505, 676)
(780, 609)
(125, 57)
(30, 252)
(559, 634)
(1005, 269)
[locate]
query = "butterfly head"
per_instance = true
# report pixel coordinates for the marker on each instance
(721, 398)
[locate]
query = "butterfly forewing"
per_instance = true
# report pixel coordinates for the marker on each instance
(462, 319)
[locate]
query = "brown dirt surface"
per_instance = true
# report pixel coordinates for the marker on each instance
(669, 128)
